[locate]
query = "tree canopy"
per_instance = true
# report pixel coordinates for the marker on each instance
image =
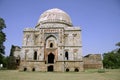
(112, 59)
(2, 40)
(118, 44)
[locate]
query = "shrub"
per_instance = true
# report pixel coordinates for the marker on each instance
(101, 70)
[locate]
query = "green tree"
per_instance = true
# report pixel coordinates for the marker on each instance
(11, 63)
(2, 40)
(112, 59)
(118, 44)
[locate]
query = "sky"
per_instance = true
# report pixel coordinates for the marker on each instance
(98, 19)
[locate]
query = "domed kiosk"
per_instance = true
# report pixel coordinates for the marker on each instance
(53, 45)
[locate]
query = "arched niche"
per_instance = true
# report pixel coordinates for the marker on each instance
(67, 70)
(50, 68)
(35, 55)
(51, 42)
(51, 45)
(25, 69)
(76, 70)
(66, 55)
(33, 69)
(51, 58)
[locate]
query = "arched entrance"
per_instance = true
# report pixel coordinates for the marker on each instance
(76, 70)
(66, 55)
(51, 57)
(67, 70)
(50, 68)
(51, 45)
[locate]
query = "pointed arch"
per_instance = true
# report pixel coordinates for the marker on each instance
(67, 70)
(76, 70)
(50, 36)
(66, 55)
(51, 42)
(51, 45)
(51, 57)
(35, 55)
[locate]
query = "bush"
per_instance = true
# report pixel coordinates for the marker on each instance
(101, 70)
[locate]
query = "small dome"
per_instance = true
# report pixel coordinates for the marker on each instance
(55, 15)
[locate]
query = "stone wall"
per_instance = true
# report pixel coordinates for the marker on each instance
(33, 66)
(93, 61)
(67, 66)
(59, 66)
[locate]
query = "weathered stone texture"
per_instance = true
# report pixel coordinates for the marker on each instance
(93, 61)
(53, 45)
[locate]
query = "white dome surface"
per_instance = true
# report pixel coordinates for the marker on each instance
(55, 15)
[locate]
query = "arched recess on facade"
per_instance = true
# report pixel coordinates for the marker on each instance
(66, 55)
(50, 45)
(50, 36)
(25, 69)
(76, 69)
(35, 55)
(51, 57)
(51, 42)
(50, 68)
(67, 70)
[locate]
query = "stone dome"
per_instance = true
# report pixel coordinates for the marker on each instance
(55, 15)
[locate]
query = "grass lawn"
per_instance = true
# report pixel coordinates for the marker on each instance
(87, 75)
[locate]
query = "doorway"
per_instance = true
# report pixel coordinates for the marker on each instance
(50, 68)
(51, 57)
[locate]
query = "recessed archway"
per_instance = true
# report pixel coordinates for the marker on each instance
(33, 69)
(51, 45)
(67, 70)
(66, 55)
(25, 69)
(51, 57)
(51, 42)
(50, 68)
(35, 55)
(76, 70)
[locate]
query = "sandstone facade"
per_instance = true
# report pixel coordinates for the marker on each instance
(53, 45)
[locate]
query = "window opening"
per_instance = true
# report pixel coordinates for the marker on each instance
(66, 55)
(51, 45)
(67, 70)
(25, 69)
(35, 55)
(33, 69)
(18, 62)
(76, 70)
